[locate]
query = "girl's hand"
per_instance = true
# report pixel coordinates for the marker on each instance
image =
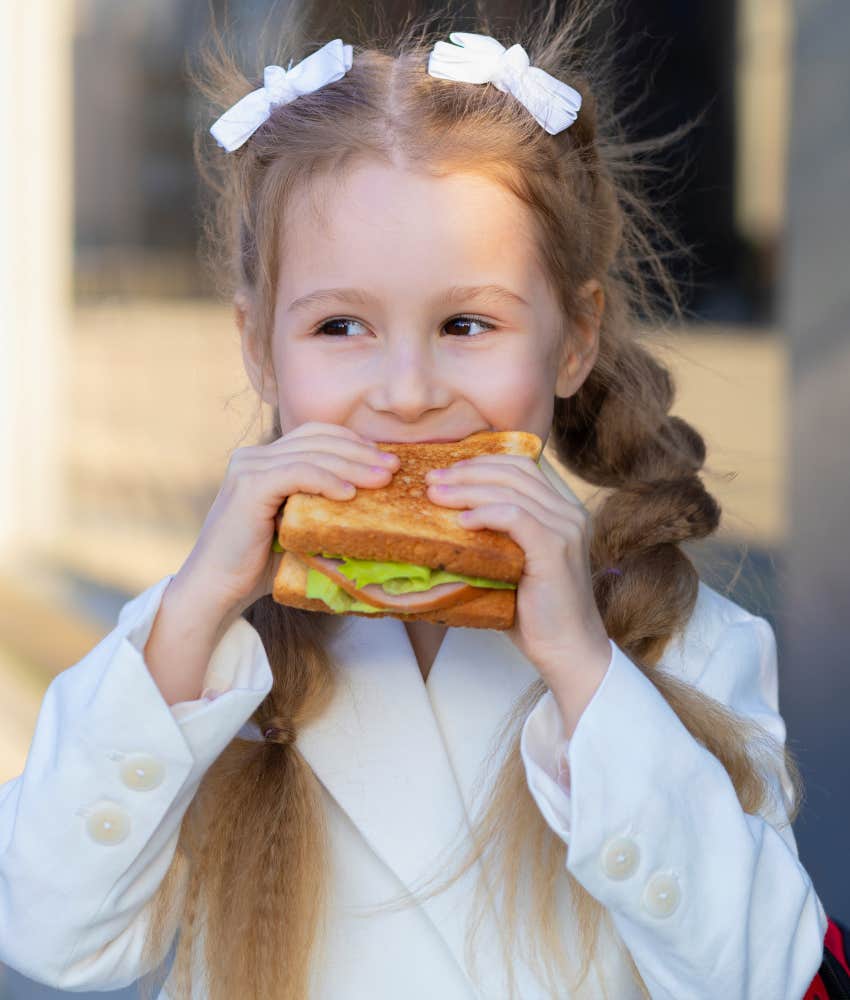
(232, 563)
(557, 626)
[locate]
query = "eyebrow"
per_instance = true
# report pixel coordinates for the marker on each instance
(360, 296)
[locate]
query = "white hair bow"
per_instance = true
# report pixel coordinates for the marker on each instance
(280, 86)
(481, 59)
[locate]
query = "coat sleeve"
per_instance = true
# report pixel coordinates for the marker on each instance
(88, 830)
(710, 901)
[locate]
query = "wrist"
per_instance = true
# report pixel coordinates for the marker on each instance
(182, 638)
(189, 592)
(575, 679)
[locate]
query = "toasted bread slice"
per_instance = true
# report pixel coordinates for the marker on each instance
(494, 609)
(398, 523)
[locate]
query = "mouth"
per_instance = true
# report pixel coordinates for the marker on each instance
(426, 441)
(437, 440)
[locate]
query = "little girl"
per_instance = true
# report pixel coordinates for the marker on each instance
(599, 799)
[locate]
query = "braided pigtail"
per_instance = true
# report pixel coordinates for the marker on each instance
(617, 432)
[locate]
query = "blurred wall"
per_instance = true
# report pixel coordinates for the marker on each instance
(36, 246)
(815, 680)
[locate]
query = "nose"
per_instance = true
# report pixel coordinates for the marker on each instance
(411, 382)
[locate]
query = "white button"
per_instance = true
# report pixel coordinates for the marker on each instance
(620, 857)
(661, 895)
(142, 772)
(108, 825)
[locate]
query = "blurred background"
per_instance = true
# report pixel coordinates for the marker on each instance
(122, 392)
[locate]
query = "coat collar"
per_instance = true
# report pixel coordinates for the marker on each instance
(401, 757)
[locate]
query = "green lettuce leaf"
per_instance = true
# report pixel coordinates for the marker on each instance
(394, 577)
(406, 578)
(319, 586)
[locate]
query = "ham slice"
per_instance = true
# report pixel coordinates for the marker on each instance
(444, 595)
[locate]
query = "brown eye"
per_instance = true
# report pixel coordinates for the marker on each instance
(336, 327)
(464, 322)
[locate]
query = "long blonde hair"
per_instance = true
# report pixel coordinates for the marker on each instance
(249, 872)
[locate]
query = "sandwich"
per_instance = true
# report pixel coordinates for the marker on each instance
(392, 552)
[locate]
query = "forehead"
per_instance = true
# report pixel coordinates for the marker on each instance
(380, 223)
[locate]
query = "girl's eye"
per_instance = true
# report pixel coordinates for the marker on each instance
(337, 323)
(462, 320)
(336, 327)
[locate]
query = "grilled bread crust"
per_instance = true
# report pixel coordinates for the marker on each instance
(398, 523)
(494, 609)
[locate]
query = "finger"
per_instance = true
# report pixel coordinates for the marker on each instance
(473, 495)
(502, 465)
(518, 461)
(277, 481)
(327, 433)
(508, 475)
(355, 451)
(365, 474)
(539, 540)
(312, 428)
(532, 536)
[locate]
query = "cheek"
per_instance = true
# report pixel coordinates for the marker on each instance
(306, 392)
(520, 389)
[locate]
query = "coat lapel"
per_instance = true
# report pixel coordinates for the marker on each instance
(401, 757)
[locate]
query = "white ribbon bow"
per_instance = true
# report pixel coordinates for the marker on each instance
(280, 86)
(481, 59)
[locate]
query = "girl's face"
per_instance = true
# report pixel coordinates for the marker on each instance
(414, 310)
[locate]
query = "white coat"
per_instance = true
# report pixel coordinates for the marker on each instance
(709, 901)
